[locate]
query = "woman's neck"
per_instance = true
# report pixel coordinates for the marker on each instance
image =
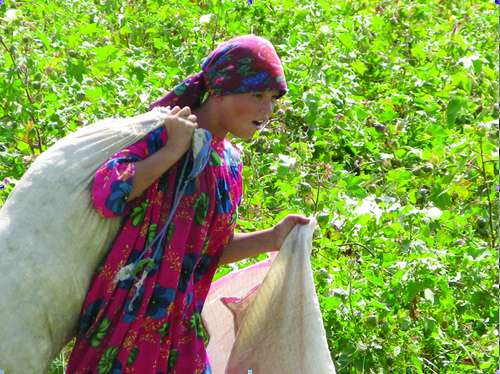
(207, 117)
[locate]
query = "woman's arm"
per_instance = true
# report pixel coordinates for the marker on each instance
(180, 126)
(244, 245)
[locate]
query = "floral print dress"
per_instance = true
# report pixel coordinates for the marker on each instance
(159, 330)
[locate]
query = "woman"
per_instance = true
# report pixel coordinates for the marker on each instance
(150, 323)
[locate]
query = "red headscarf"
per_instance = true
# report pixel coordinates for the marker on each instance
(243, 64)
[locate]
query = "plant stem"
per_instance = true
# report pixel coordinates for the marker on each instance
(361, 245)
(317, 194)
(17, 70)
(217, 24)
(351, 309)
(490, 211)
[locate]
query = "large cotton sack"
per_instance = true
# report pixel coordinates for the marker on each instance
(218, 316)
(266, 318)
(52, 240)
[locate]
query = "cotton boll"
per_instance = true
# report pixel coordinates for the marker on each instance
(206, 19)
(434, 213)
(12, 15)
(325, 30)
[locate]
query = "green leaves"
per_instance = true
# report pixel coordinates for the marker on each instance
(453, 110)
(392, 116)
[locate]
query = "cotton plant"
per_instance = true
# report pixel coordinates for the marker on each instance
(12, 15)
(206, 19)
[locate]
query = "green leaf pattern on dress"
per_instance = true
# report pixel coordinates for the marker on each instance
(201, 205)
(107, 360)
(132, 357)
(99, 332)
(138, 213)
(196, 324)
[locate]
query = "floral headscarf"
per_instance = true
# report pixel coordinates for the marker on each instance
(243, 64)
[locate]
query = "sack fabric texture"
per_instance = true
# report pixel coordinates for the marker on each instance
(52, 240)
(266, 318)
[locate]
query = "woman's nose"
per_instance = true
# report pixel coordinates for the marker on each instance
(268, 108)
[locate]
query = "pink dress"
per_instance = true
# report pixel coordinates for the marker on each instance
(160, 331)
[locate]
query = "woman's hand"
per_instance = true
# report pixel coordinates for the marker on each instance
(283, 228)
(180, 125)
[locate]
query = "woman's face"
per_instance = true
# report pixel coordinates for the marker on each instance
(244, 114)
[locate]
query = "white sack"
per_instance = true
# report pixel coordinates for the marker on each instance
(276, 328)
(218, 319)
(52, 240)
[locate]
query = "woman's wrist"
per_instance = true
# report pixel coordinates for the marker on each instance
(172, 152)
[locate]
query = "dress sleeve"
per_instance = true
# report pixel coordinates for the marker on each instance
(113, 180)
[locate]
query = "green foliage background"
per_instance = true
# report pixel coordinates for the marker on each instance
(388, 136)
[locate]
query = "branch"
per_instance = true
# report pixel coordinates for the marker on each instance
(17, 70)
(361, 245)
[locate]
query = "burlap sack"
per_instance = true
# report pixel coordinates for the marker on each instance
(274, 328)
(51, 241)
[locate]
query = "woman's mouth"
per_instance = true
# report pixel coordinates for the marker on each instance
(258, 124)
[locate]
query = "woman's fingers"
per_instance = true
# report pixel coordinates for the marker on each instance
(298, 218)
(185, 112)
(175, 110)
(283, 228)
